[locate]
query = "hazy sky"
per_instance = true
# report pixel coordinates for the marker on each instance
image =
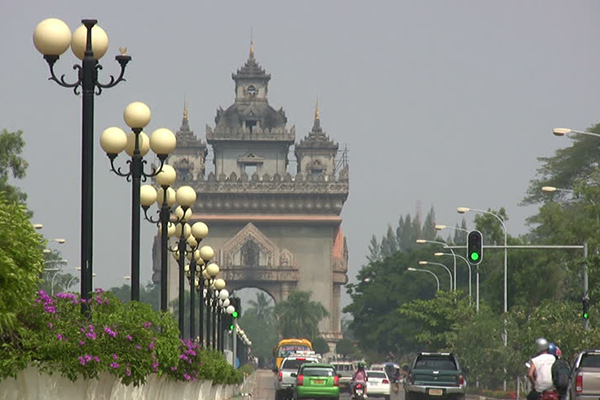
(443, 103)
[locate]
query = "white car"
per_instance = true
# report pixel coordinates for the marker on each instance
(378, 384)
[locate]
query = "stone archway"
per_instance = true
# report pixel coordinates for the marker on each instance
(251, 259)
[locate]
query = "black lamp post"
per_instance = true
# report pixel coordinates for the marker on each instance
(165, 199)
(220, 294)
(189, 239)
(52, 38)
(136, 145)
(211, 270)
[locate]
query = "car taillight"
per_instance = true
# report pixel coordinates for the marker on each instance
(336, 381)
(579, 383)
(385, 381)
(301, 359)
(300, 380)
(461, 380)
(280, 376)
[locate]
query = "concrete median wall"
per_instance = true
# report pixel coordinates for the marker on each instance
(30, 384)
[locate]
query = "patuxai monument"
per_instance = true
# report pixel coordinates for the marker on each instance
(272, 228)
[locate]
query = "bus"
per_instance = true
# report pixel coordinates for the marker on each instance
(288, 346)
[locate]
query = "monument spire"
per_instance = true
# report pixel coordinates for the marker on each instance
(185, 108)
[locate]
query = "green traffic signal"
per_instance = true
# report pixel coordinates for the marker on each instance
(475, 247)
(234, 314)
(586, 315)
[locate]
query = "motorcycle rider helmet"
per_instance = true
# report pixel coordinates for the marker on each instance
(361, 365)
(552, 349)
(541, 344)
(558, 353)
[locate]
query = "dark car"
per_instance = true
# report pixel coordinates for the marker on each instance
(435, 375)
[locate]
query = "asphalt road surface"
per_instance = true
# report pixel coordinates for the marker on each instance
(264, 388)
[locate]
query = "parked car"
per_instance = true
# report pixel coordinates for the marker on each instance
(378, 384)
(316, 380)
(345, 369)
(435, 375)
(585, 378)
(284, 383)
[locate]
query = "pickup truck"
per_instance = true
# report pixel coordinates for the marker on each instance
(346, 370)
(585, 378)
(435, 375)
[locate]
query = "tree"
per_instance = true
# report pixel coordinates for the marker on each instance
(262, 307)
(298, 316)
(389, 245)
(12, 164)
(374, 250)
(263, 334)
(437, 319)
(344, 347)
(429, 232)
(21, 263)
(320, 345)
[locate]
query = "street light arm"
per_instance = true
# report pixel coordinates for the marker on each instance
(123, 59)
(51, 60)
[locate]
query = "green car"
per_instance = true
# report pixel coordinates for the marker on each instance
(315, 380)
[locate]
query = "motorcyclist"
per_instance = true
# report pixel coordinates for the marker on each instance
(360, 376)
(556, 352)
(540, 371)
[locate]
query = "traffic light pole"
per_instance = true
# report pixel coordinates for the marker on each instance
(586, 321)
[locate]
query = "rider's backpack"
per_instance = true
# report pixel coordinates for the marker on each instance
(561, 371)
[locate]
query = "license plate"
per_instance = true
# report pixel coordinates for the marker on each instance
(436, 392)
(318, 381)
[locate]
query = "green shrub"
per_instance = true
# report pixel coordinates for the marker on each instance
(246, 369)
(128, 340)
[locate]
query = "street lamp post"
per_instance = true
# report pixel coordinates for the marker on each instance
(136, 145)
(437, 280)
(441, 265)
(209, 274)
(463, 210)
(165, 199)
(222, 294)
(468, 266)
(422, 241)
(52, 37)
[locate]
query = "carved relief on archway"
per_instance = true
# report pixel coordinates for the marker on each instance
(250, 256)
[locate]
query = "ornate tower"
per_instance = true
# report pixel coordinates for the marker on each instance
(270, 229)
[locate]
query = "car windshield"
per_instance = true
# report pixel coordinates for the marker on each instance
(436, 362)
(291, 348)
(294, 363)
(590, 361)
(376, 374)
(317, 371)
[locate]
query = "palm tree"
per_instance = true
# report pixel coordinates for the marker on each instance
(298, 316)
(262, 307)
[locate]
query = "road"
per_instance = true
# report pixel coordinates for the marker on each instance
(264, 387)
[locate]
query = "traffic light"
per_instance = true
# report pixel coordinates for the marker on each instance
(475, 247)
(586, 307)
(228, 322)
(237, 304)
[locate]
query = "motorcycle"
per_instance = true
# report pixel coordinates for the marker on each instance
(550, 395)
(359, 392)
